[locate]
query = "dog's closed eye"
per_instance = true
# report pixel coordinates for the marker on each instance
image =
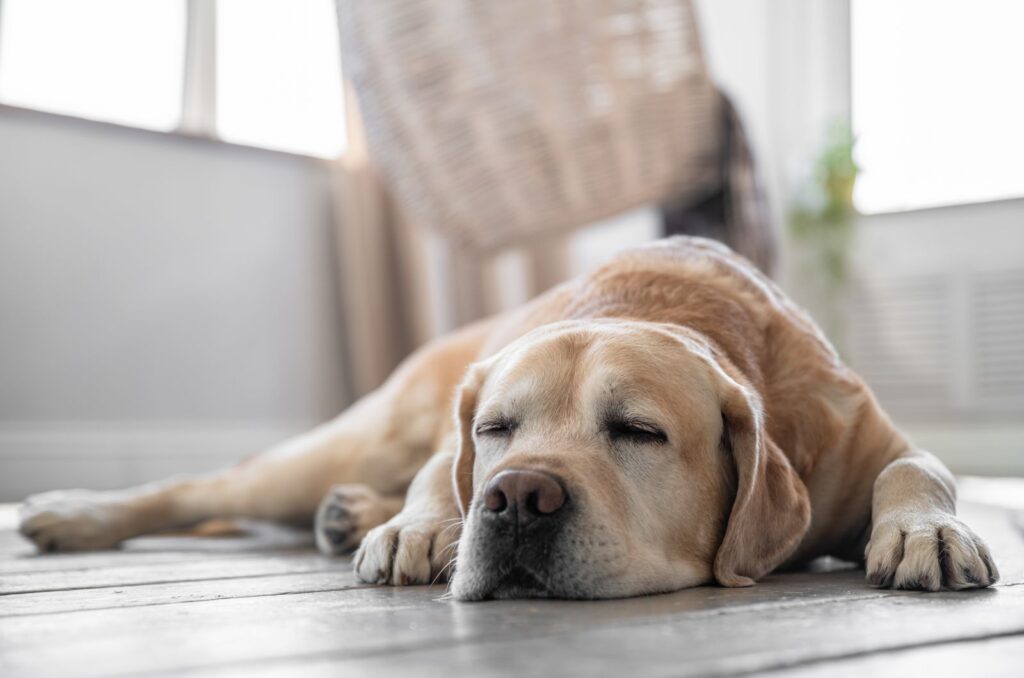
(496, 427)
(635, 431)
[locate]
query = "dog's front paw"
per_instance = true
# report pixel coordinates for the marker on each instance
(408, 550)
(927, 553)
(73, 520)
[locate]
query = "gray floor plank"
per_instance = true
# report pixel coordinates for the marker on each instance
(38, 563)
(993, 658)
(355, 621)
(54, 602)
(44, 564)
(411, 628)
(709, 642)
(160, 573)
(20, 556)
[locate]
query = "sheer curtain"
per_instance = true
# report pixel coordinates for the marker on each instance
(401, 284)
(382, 305)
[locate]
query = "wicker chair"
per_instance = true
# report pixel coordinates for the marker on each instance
(502, 124)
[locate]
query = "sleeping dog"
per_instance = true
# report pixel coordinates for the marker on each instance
(670, 420)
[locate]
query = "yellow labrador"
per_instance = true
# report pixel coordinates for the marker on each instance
(669, 420)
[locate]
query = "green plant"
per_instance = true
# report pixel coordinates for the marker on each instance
(824, 212)
(822, 223)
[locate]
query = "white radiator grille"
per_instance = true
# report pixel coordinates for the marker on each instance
(899, 342)
(936, 345)
(998, 314)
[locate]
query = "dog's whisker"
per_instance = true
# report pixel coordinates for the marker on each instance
(442, 571)
(448, 529)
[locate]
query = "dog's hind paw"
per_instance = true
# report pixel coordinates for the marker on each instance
(73, 520)
(346, 514)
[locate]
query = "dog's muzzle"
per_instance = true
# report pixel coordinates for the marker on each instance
(521, 517)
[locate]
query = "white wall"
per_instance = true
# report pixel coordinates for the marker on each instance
(159, 296)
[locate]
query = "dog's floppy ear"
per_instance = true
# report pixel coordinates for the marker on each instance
(465, 456)
(771, 511)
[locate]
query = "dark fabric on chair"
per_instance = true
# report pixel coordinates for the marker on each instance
(736, 213)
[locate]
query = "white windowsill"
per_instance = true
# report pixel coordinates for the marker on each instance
(170, 134)
(942, 207)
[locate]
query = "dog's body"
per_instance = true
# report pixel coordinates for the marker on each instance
(669, 420)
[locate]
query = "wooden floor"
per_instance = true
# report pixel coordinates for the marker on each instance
(268, 605)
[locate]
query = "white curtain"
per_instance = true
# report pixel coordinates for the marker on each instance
(402, 285)
(381, 324)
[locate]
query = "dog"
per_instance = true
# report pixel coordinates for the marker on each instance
(669, 420)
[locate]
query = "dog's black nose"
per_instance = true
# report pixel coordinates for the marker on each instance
(524, 495)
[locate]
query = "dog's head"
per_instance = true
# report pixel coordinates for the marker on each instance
(601, 459)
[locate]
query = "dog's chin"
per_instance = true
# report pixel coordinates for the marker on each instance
(522, 577)
(510, 575)
(509, 578)
(517, 582)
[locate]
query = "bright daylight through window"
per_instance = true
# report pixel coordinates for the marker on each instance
(115, 60)
(279, 75)
(277, 66)
(938, 102)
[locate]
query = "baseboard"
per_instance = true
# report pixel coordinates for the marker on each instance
(40, 456)
(978, 448)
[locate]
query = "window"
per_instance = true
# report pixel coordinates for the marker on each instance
(116, 60)
(938, 103)
(279, 75)
(273, 67)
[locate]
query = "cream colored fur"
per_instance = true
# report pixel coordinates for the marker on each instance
(774, 452)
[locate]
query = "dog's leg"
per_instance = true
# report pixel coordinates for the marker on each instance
(379, 444)
(916, 540)
(284, 484)
(417, 546)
